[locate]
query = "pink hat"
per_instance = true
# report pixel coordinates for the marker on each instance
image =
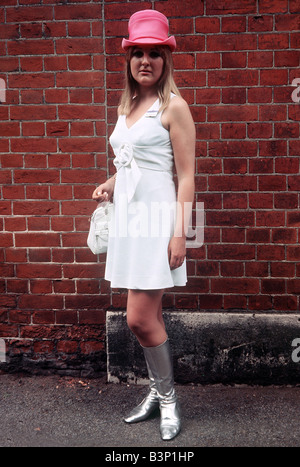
(148, 27)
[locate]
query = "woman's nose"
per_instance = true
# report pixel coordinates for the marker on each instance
(145, 59)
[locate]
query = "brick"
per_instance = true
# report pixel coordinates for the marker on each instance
(82, 144)
(295, 40)
(244, 252)
(287, 22)
(207, 25)
(192, 43)
(37, 271)
(294, 6)
(233, 131)
(293, 219)
(43, 317)
(273, 41)
(288, 58)
(270, 252)
(284, 303)
(74, 112)
(259, 130)
(260, 23)
(234, 60)
(208, 60)
(232, 183)
(270, 219)
(272, 148)
(229, 218)
(285, 200)
(233, 235)
(32, 80)
(273, 6)
(44, 302)
(67, 347)
(79, 46)
(234, 24)
(79, 12)
(223, 42)
(260, 59)
(93, 316)
(30, 47)
(235, 201)
(80, 79)
(241, 285)
(272, 183)
(284, 235)
(222, 7)
(233, 77)
(260, 302)
(293, 286)
(272, 112)
(232, 302)
(225, 113)
(40, 286)
(293, 253)
(287, 165)
(258, 235)
(273, 77)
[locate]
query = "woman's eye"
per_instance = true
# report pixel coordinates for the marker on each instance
(154, 54)
(138, 54)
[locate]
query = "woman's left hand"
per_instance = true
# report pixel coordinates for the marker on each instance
(176, 252)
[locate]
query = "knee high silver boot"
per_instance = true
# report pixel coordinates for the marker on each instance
(159, 361)
(148, 405)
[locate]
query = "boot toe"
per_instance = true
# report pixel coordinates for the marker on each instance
(142, 411)
(169, 432)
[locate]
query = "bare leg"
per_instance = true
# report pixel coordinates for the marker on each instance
(160, 315)
(144, 316)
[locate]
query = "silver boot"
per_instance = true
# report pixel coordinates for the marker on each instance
(160, 363)
(147, 406)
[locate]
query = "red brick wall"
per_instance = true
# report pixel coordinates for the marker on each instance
(62, 65)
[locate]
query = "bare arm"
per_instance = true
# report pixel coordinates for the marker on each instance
(179, 120)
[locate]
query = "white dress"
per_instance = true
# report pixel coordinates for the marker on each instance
(144, 206)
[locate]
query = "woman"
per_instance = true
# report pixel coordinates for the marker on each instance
(154, 130)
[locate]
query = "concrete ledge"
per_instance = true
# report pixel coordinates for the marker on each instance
(213, 348)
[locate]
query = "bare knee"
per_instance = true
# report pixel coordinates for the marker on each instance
(138, 325)
(144, 317)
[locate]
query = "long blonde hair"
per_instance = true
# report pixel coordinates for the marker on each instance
(165, 85)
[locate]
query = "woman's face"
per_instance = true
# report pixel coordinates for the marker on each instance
(146, 65)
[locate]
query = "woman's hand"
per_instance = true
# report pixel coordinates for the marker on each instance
(104, 191)
(176, 252)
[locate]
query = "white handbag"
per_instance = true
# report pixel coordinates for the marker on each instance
(99, 228)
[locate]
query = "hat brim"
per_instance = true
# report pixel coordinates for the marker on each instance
(171, 42)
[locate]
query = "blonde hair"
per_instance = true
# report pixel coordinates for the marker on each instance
(165, 85)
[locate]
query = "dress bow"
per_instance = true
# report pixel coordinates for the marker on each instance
(124, 160)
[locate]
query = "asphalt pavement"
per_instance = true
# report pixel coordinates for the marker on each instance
(54, 411)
